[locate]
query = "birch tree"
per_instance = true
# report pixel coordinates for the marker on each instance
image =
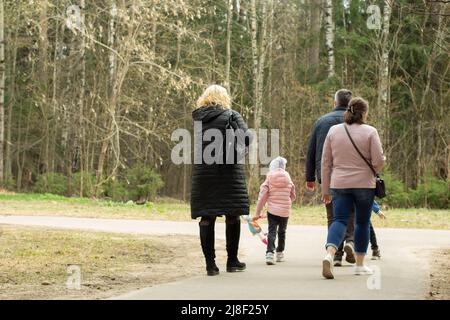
(254, 39)
(383, 82)
(229, 31)
(259, 51)
(314, 27)
(81, 98)
(329, 37)
(111, 40)
(112, 90)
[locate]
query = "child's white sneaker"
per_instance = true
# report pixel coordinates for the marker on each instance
(327, 267)
(280, 257)
(363, 270)
(270, 260)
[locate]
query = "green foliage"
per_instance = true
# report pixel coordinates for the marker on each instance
(432, 193)
(115, 190)
(54, 183)
(397, 195)
(88, 184)
(143, 182)
(140, 183)
(8, 183)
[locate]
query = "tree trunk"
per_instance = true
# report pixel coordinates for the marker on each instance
(314, 50)
(21, 161)
(283, 113)
(43, 79)
(12, 96)
(254, 168)
(262, 60)
(111, 39)
(259, 51)
(54, 99)
(2, 91)
(112, 94)
(345, 73)
(81, 102)
(329, 36)
(254, 37)
(228, 58)
(270, 57)
(419, 151)
(448, 161)
(383, 82)
(259, 55)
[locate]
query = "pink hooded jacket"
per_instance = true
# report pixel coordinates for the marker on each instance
(279, 193)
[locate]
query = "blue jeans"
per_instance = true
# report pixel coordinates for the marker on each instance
(343, 202)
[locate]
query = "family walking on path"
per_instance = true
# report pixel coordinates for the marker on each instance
(338, 143)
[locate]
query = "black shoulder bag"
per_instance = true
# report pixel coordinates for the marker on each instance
(230, 143)
(238, 148)
(380, 188)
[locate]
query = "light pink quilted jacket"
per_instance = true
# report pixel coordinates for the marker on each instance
(279, 193)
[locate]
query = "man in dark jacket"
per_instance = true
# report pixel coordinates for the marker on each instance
(313, 164)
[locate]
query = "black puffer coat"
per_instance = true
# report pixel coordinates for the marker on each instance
(219, 189)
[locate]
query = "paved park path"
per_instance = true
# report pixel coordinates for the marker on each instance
(403, 270)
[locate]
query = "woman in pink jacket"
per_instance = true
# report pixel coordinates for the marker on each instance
(279, 193)
(348, 182)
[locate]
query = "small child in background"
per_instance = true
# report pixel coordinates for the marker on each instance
(376, 254)
(278, 191)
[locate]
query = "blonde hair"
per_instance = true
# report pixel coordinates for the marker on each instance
(215, 95)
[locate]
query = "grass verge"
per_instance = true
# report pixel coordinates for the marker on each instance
(34, 262)
(168, 209)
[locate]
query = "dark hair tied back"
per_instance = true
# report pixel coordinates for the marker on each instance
(357, 107)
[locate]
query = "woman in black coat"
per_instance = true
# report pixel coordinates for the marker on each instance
(219, 188)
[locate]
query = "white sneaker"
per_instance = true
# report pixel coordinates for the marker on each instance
(363, 270)
(270, 259)
(349, 250)
(327, 267)
(280, 257)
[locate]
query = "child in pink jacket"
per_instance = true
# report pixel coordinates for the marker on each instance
(279, 193)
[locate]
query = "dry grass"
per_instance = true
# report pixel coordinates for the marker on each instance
(34, 262)
(4, 191)
(440, 275)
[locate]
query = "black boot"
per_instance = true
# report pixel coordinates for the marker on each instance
(233, 233)
(211, 268)
(207, 241)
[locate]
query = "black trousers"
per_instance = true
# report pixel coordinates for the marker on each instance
(207, 237)
(373, 238)
(276, 225)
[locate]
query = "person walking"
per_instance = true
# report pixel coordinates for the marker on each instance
(348, 182)
(278, 191)
(313, 167)
(219, 188)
